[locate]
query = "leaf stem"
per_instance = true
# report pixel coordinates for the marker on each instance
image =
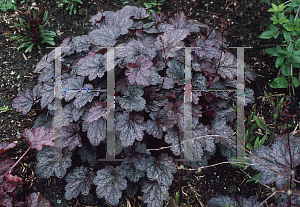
(16, 163)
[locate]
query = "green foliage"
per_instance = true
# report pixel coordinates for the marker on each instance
(6, 5)
(254, 178)
(29, 32)
(4, 109)
(152, 6)
(174, 201)
(287, 26)
(243, 161)
(72, 4)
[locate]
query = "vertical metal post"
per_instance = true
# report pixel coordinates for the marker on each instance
(57, 123)
(240, 102)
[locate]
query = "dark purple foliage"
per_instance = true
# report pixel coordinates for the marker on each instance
(34, 200)
(50, 162)
(234, 200)
(79, 180)
(149, 103)
(110, 181)
(277, 157)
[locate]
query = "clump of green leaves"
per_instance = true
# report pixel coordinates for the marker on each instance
(29, 32)
(4, 109)
(174, 202)
(288, 57)
(7, 5)
(72, 4)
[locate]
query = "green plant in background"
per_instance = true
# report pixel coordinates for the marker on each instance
(254, 178)
(9, 5)
(152, 6)
(72, 4)
(288, 57)
(4, 109)
(174, 202)
(29, 32)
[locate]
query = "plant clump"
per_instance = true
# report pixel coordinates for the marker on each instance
(149, 67)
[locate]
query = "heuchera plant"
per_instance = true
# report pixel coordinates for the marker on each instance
(149, 107)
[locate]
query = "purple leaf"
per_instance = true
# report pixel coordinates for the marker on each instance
(34, 200)
(160, 120)
(135, 162)
(137, 48)
(45, 62)
(46, 75)
(93, 66)
(96, 18)
(133, 99)
(67, 47)
(79, 180)
(278, 158)
(168, 83)
(176, 71)
(81, 43)
(110, 181)
(131, 128)
(161, 169)
(46, 92)
(220, 201)
(132, 173)
(138, 13)
(38, 137)
(284, 200)
(87, 153)
(48, 162)
(176, 113)
(219, 127)
(191, 25)
(154, 193)
(97, 111)
(139, 72)
(5, 200)
(122, 85)
(237, 201)
(227, 66)
(70, 113)
(199, 81)
(71, 83)
(24, 101)
(158, 17)
(105, 36)
(96, 131)
(5, 165)
(85, 96)
(70, 136)
(11, 182)
(6, 146)
(207, 48)
(43, 121)
(170, 40)
(119, 19)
